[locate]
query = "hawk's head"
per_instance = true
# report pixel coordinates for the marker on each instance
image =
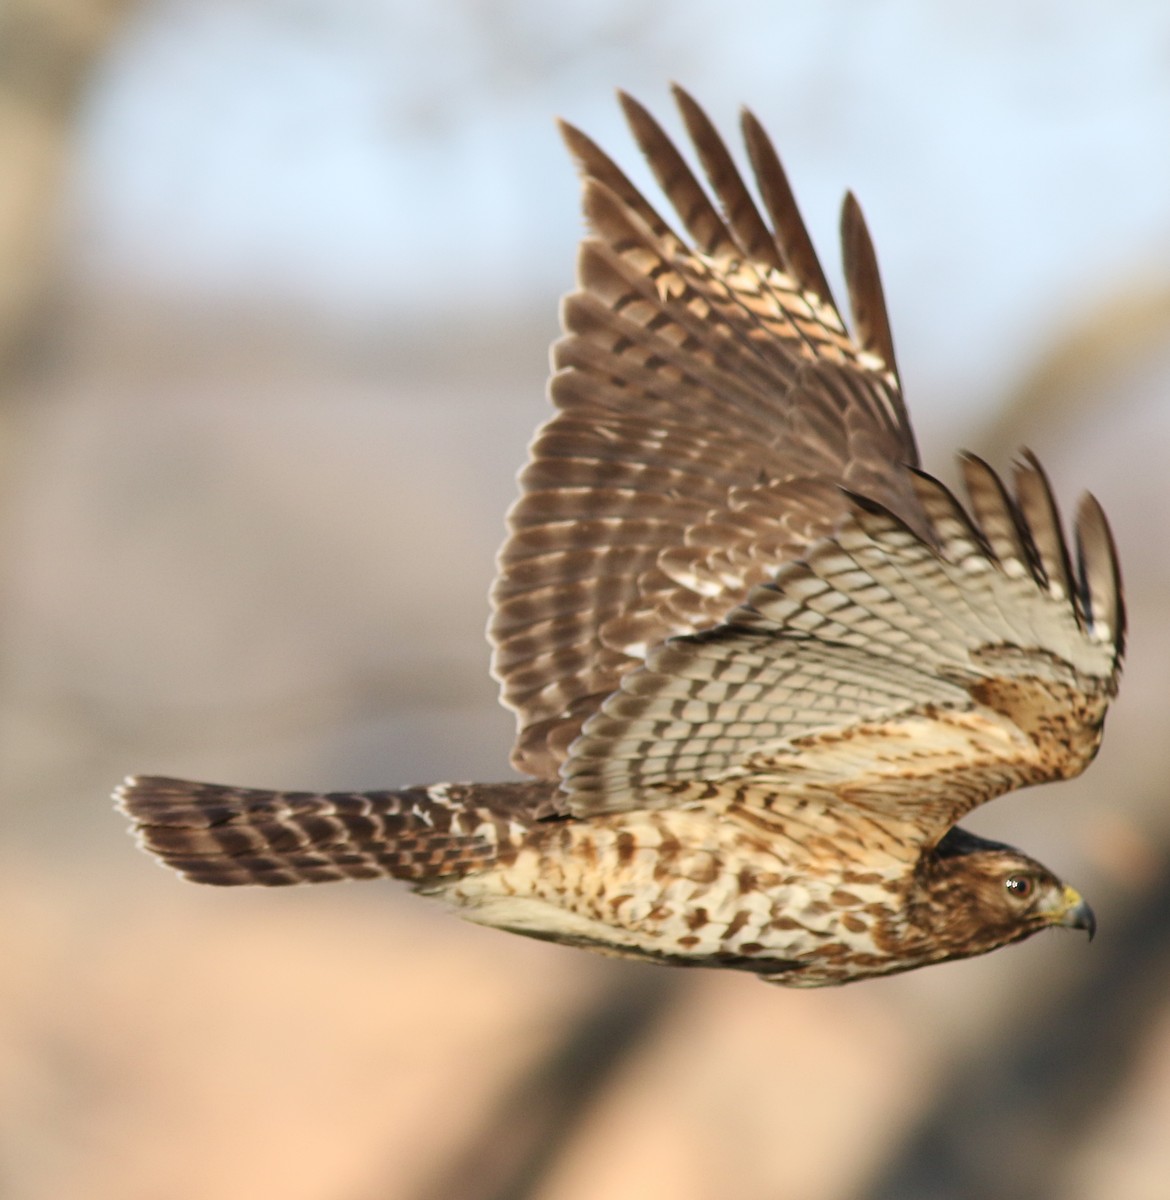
(980, 894)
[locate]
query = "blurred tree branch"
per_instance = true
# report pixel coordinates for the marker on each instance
(1069, 380)
(47, 48)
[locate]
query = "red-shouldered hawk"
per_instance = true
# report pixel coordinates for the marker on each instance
(761, 664)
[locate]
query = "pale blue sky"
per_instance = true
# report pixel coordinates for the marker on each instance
(359, 158)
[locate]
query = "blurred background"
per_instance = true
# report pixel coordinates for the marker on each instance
(277, 281)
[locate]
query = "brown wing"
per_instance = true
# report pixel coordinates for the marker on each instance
(913, 677)
(711, 406)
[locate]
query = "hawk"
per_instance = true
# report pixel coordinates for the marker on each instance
(761, 664)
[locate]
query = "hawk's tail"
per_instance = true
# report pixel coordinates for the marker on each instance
(229, 835)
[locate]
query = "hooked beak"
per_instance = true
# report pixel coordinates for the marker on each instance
(1075, 913)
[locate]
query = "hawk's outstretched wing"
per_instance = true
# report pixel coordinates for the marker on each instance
(712, 407)
(911, 678)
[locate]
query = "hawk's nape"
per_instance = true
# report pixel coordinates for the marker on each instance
(760, 662)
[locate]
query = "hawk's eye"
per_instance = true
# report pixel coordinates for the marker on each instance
(1020, 886)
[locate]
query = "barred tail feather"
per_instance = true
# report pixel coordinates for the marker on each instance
(229, 835)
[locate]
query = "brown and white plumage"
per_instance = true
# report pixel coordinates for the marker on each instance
(712, 408)
(761, 664)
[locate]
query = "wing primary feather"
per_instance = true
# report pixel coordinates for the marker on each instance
(874, 507)
(1041, 521)
(686, 195)
(912, 525)
(1100, 573)
(996, 515)
(743, 217)
(867, 300)
(957, 536)
(789, 230)
(593, 163)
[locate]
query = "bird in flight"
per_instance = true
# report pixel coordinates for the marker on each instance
(761, 664)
